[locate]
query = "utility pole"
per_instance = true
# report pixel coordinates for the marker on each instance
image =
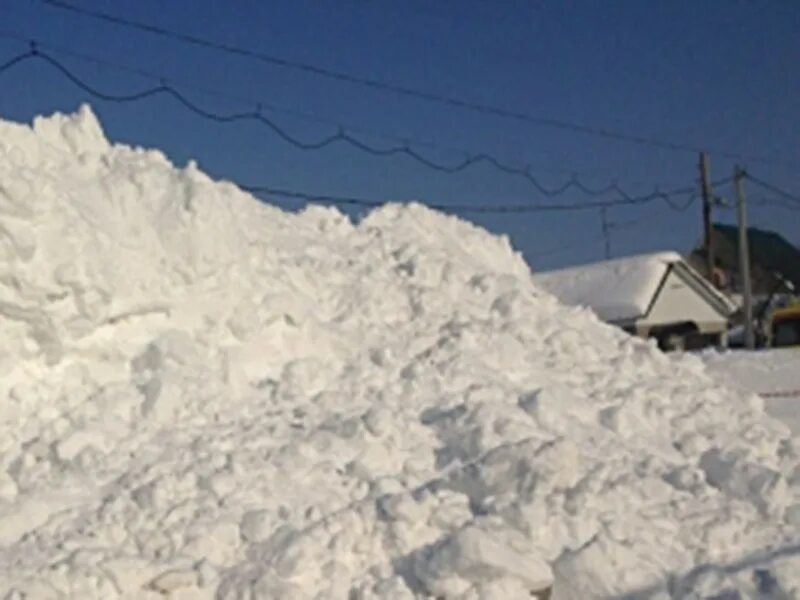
(744, 259)
(606, 231)
(705, 189)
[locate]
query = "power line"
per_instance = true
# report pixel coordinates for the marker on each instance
(341, 136)
(610, 227)
(683, 207)
(773, 188)
(469, 208)
(623, 200)
(227, 95)
(562, 248)
(633, 223)
(775, 202)
(193, 86)
(394, 88)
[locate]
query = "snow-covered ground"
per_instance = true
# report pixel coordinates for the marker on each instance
(206, 397)
(773, 374)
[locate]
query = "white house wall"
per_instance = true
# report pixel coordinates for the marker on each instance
(677, 302)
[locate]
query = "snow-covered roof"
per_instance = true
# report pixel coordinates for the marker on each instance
(617, 290)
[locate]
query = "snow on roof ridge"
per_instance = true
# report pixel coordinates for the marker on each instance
(616, 290)
(666, 256)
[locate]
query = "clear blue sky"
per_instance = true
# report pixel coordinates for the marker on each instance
(721, 74)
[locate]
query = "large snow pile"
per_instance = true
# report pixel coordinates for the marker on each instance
(206, 397)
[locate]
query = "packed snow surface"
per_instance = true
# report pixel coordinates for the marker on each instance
(207, 397)
(773, 374)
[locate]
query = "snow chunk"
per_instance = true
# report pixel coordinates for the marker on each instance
(475, 556)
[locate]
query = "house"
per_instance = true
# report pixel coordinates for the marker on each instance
(652, 295)
(772, 258)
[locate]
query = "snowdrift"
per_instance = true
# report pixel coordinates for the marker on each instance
(206, 397)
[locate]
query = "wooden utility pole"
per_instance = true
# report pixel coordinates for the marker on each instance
(606, 232)
(705, 189)
(744, 259)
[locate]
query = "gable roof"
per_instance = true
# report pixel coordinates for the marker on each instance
(769, 250)
(624, 289)
(722, 303)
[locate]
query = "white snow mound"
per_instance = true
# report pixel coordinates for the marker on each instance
(206, 397)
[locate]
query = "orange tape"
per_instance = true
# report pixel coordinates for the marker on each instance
(781, 394)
